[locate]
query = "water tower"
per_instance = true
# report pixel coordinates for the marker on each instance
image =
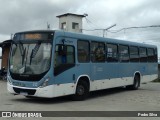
(70, 22)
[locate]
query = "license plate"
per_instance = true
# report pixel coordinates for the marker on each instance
(24, 93)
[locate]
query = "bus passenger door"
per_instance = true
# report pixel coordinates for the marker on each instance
(64, 66)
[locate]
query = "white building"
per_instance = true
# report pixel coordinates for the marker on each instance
(70, 22)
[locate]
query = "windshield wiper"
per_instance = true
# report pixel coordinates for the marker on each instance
(22, 52)
(34, 51)
(14, 49)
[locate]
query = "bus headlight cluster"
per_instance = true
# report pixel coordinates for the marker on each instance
(45, 83)
(9, 79)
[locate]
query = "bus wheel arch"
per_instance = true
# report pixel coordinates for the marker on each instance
(138, 74)
(82, 88)
(136, 82)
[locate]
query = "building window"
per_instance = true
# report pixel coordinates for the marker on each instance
(75, 25)
(63, 25)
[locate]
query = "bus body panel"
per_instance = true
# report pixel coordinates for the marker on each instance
(101, 75)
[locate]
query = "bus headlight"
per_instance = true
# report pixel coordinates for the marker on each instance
(9, 79)
(45, 83)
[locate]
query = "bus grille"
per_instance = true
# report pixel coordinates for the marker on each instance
(29, 91)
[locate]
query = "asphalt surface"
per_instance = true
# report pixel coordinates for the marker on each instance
(147, 98)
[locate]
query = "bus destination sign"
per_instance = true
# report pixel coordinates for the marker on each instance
(32, 36)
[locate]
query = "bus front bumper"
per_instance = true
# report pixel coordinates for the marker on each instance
(46, 92)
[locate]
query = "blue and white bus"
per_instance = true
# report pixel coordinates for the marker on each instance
(50, 63)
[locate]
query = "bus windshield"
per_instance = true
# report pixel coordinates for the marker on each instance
(30, 59)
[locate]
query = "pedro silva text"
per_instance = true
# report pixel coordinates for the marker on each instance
(147, 114)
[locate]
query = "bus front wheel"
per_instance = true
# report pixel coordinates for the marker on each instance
(82, 91)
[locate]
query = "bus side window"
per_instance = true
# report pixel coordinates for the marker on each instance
(112, 55)
(155, 55)
(83, 51)
(59, 55)
(64, 55)
(97, 52)
(143, 54)
(150, 52)
(123, 53)
(134, 54)
(64, 58)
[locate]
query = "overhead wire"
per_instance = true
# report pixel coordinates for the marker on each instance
(148, 34)
(116, 31)
(91, 25)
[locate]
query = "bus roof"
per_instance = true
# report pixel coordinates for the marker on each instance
(93, 38)
(102, 39)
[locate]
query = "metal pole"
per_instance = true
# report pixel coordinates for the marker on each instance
(108, 29)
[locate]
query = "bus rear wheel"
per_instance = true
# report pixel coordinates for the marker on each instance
(82, 91)
(136, 83)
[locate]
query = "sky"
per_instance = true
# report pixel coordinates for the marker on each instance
(22, 15)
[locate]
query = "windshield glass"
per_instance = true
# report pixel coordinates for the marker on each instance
(30, 59)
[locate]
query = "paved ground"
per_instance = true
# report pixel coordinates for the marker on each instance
(147, 98)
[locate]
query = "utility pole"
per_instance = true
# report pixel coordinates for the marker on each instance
(48, 26)
(106, 29)
(11, 36)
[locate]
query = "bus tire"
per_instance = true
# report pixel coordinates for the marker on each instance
(82, 91)
(136, 83)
